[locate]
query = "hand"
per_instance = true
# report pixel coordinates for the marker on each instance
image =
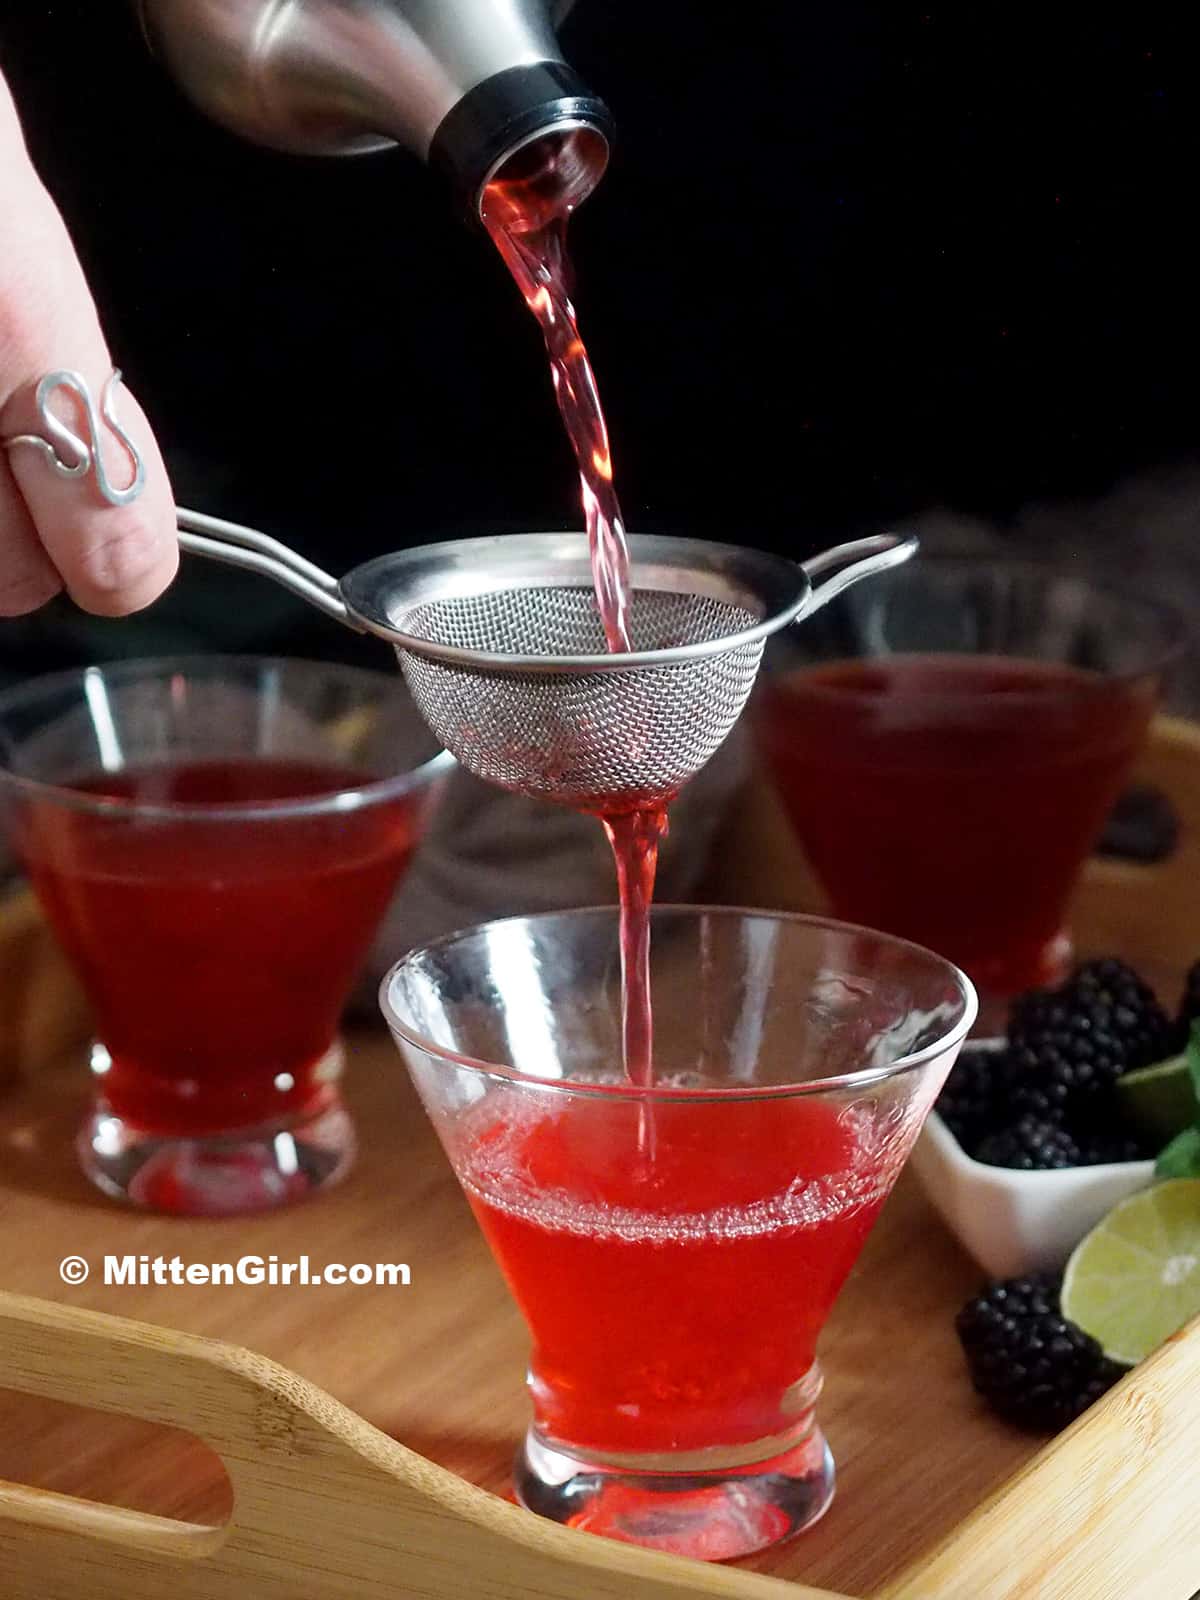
(59, 532)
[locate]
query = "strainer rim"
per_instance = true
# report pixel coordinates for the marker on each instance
(778, 573)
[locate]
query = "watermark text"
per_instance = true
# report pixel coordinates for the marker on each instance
(163, 1271)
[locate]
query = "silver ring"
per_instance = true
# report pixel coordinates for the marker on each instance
(83, 456)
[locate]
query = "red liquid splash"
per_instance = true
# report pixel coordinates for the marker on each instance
(952, 799)
(732, 1247)
(217, 955)
(535, 252)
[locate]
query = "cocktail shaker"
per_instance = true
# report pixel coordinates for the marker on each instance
(477, 88)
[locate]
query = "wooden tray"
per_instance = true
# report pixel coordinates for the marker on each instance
(295, 1493)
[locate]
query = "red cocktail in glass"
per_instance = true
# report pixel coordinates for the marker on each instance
(214, 843)
(948, 743)
(675, 1287)
(641, 1240)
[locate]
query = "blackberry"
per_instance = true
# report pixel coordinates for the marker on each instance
(1032, 1367)
(1132, 1007)
(1068, 1047)
(1097, 1149)
(970, 1097)
(1142, 826)
(1030, 1145)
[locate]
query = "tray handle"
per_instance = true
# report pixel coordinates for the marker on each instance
(324, 1504)
(1107, 1511)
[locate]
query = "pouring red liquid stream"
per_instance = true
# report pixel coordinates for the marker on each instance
(535, 252)
(537, 258)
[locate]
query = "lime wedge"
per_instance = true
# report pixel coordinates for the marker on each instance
(1135, 1279)
(1160, 1099)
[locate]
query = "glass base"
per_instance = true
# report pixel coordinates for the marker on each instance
(220, 1175)
(712, 1515)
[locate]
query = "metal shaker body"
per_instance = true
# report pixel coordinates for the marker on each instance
(460, 83)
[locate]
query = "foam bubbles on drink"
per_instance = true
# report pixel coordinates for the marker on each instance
(809, 1203)
(495, 1171)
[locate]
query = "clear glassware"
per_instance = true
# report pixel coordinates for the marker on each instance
(948, 742)
(213, 841)
(676, 1250)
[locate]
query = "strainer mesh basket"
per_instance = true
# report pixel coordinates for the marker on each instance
(598, 740)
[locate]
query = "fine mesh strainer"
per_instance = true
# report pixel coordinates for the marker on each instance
(502, 647)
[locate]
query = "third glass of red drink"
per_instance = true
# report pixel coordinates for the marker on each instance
(948, 741)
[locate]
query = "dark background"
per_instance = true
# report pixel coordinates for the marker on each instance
(850, 262)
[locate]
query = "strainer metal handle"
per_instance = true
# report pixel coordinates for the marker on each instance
(850, 562)
(238, 546)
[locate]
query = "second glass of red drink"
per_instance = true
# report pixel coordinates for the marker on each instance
(948, 742)
(214, 841)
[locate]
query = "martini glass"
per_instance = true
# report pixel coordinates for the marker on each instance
(213, 841)
(676, 1249)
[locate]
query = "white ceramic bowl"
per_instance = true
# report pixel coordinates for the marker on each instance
(1017, 1222)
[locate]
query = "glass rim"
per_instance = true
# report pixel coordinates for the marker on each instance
(708, 1094)
(353, 797)
(1171, 619)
